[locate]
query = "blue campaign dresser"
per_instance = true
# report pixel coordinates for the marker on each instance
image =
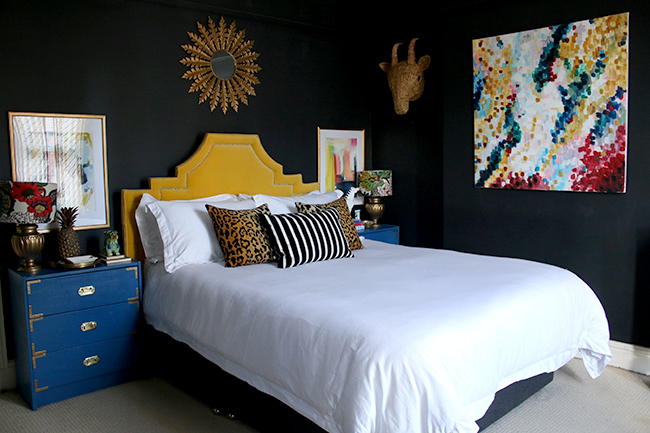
(75, 330)
(383, 233)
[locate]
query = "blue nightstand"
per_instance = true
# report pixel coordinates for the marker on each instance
(384, 233)
(74, 329)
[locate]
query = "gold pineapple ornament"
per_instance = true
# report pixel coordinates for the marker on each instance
(67, 240)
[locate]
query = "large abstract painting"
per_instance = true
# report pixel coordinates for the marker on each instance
(550, 107)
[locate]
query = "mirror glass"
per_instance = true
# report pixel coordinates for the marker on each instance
(223, 65)
(68, 150)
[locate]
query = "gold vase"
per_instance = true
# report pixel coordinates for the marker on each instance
(28, 244)
(375, 209)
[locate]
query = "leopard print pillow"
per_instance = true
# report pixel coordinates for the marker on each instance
(241, 236)
(347, 223)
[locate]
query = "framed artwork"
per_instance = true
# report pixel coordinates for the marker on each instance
(550, 107)
(340, 158)
(68, 150)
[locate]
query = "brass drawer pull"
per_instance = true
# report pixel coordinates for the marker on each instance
(88, 326)
(86, 290)
(91, 360)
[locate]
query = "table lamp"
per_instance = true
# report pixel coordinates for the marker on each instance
(375, 184)
(27, 204)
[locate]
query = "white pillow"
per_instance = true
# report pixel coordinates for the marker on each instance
(281, 205)
(187, 232)
(148, 227)
(350, 196)
(243, 196)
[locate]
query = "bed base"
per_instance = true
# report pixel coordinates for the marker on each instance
(512, 396)
(228, 396)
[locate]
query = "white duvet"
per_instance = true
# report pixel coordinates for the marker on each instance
(396, 339)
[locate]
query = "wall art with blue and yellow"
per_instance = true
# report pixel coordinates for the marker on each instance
(550, 107)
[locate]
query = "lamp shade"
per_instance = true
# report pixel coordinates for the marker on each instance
(376, 183)
(27, 202)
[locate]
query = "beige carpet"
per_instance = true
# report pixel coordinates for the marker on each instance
(147, 406)
(617, 402)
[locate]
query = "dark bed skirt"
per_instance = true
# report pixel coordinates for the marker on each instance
(183, 367)
(512, 396)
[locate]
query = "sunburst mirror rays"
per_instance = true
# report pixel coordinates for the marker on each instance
(221, 65)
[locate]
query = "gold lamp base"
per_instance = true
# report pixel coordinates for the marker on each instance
(375, 209)
(28, 244)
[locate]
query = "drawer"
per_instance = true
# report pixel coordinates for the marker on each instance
(83, 362)
(82, 290)
(390, 236)
(81, 327)
(58, 393)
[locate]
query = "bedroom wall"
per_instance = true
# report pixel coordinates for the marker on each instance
(604, 238)
(320, 68)
(409, 144)
(120, 58)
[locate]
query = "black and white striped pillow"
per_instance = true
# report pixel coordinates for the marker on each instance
(303, 238)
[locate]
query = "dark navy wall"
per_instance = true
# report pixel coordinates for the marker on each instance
(409, 144)
(320, 68)
(120, 58)
(604, 238)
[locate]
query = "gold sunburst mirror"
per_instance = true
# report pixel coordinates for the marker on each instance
(221, 64)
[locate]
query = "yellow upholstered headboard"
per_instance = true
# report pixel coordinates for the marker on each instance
(223, 163)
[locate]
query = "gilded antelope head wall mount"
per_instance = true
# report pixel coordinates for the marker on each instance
(405, 78)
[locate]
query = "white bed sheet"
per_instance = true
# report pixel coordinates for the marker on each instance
(397, 339)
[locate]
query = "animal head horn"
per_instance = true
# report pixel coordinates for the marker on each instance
(411, 55)
(394, 59)
(406, 78)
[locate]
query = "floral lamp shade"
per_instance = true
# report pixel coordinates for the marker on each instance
(376, 183)
(27, 202)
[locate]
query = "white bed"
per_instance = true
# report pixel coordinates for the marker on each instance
(395, 339)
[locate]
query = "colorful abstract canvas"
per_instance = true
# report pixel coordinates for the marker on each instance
(340, 157)
(550, 107)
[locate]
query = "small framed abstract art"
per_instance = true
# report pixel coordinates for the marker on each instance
(68, 150)
(340, 158)
(550, 107)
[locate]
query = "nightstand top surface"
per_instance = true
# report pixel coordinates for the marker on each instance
(47, 272)
(379, 227)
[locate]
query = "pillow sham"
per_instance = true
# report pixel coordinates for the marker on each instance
(347, 223)
(300, 238)
(241, 236)
(243, 196)
(282, 205)
(148, 227)
(186, 231)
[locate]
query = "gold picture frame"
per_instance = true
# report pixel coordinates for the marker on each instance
(68, 150)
